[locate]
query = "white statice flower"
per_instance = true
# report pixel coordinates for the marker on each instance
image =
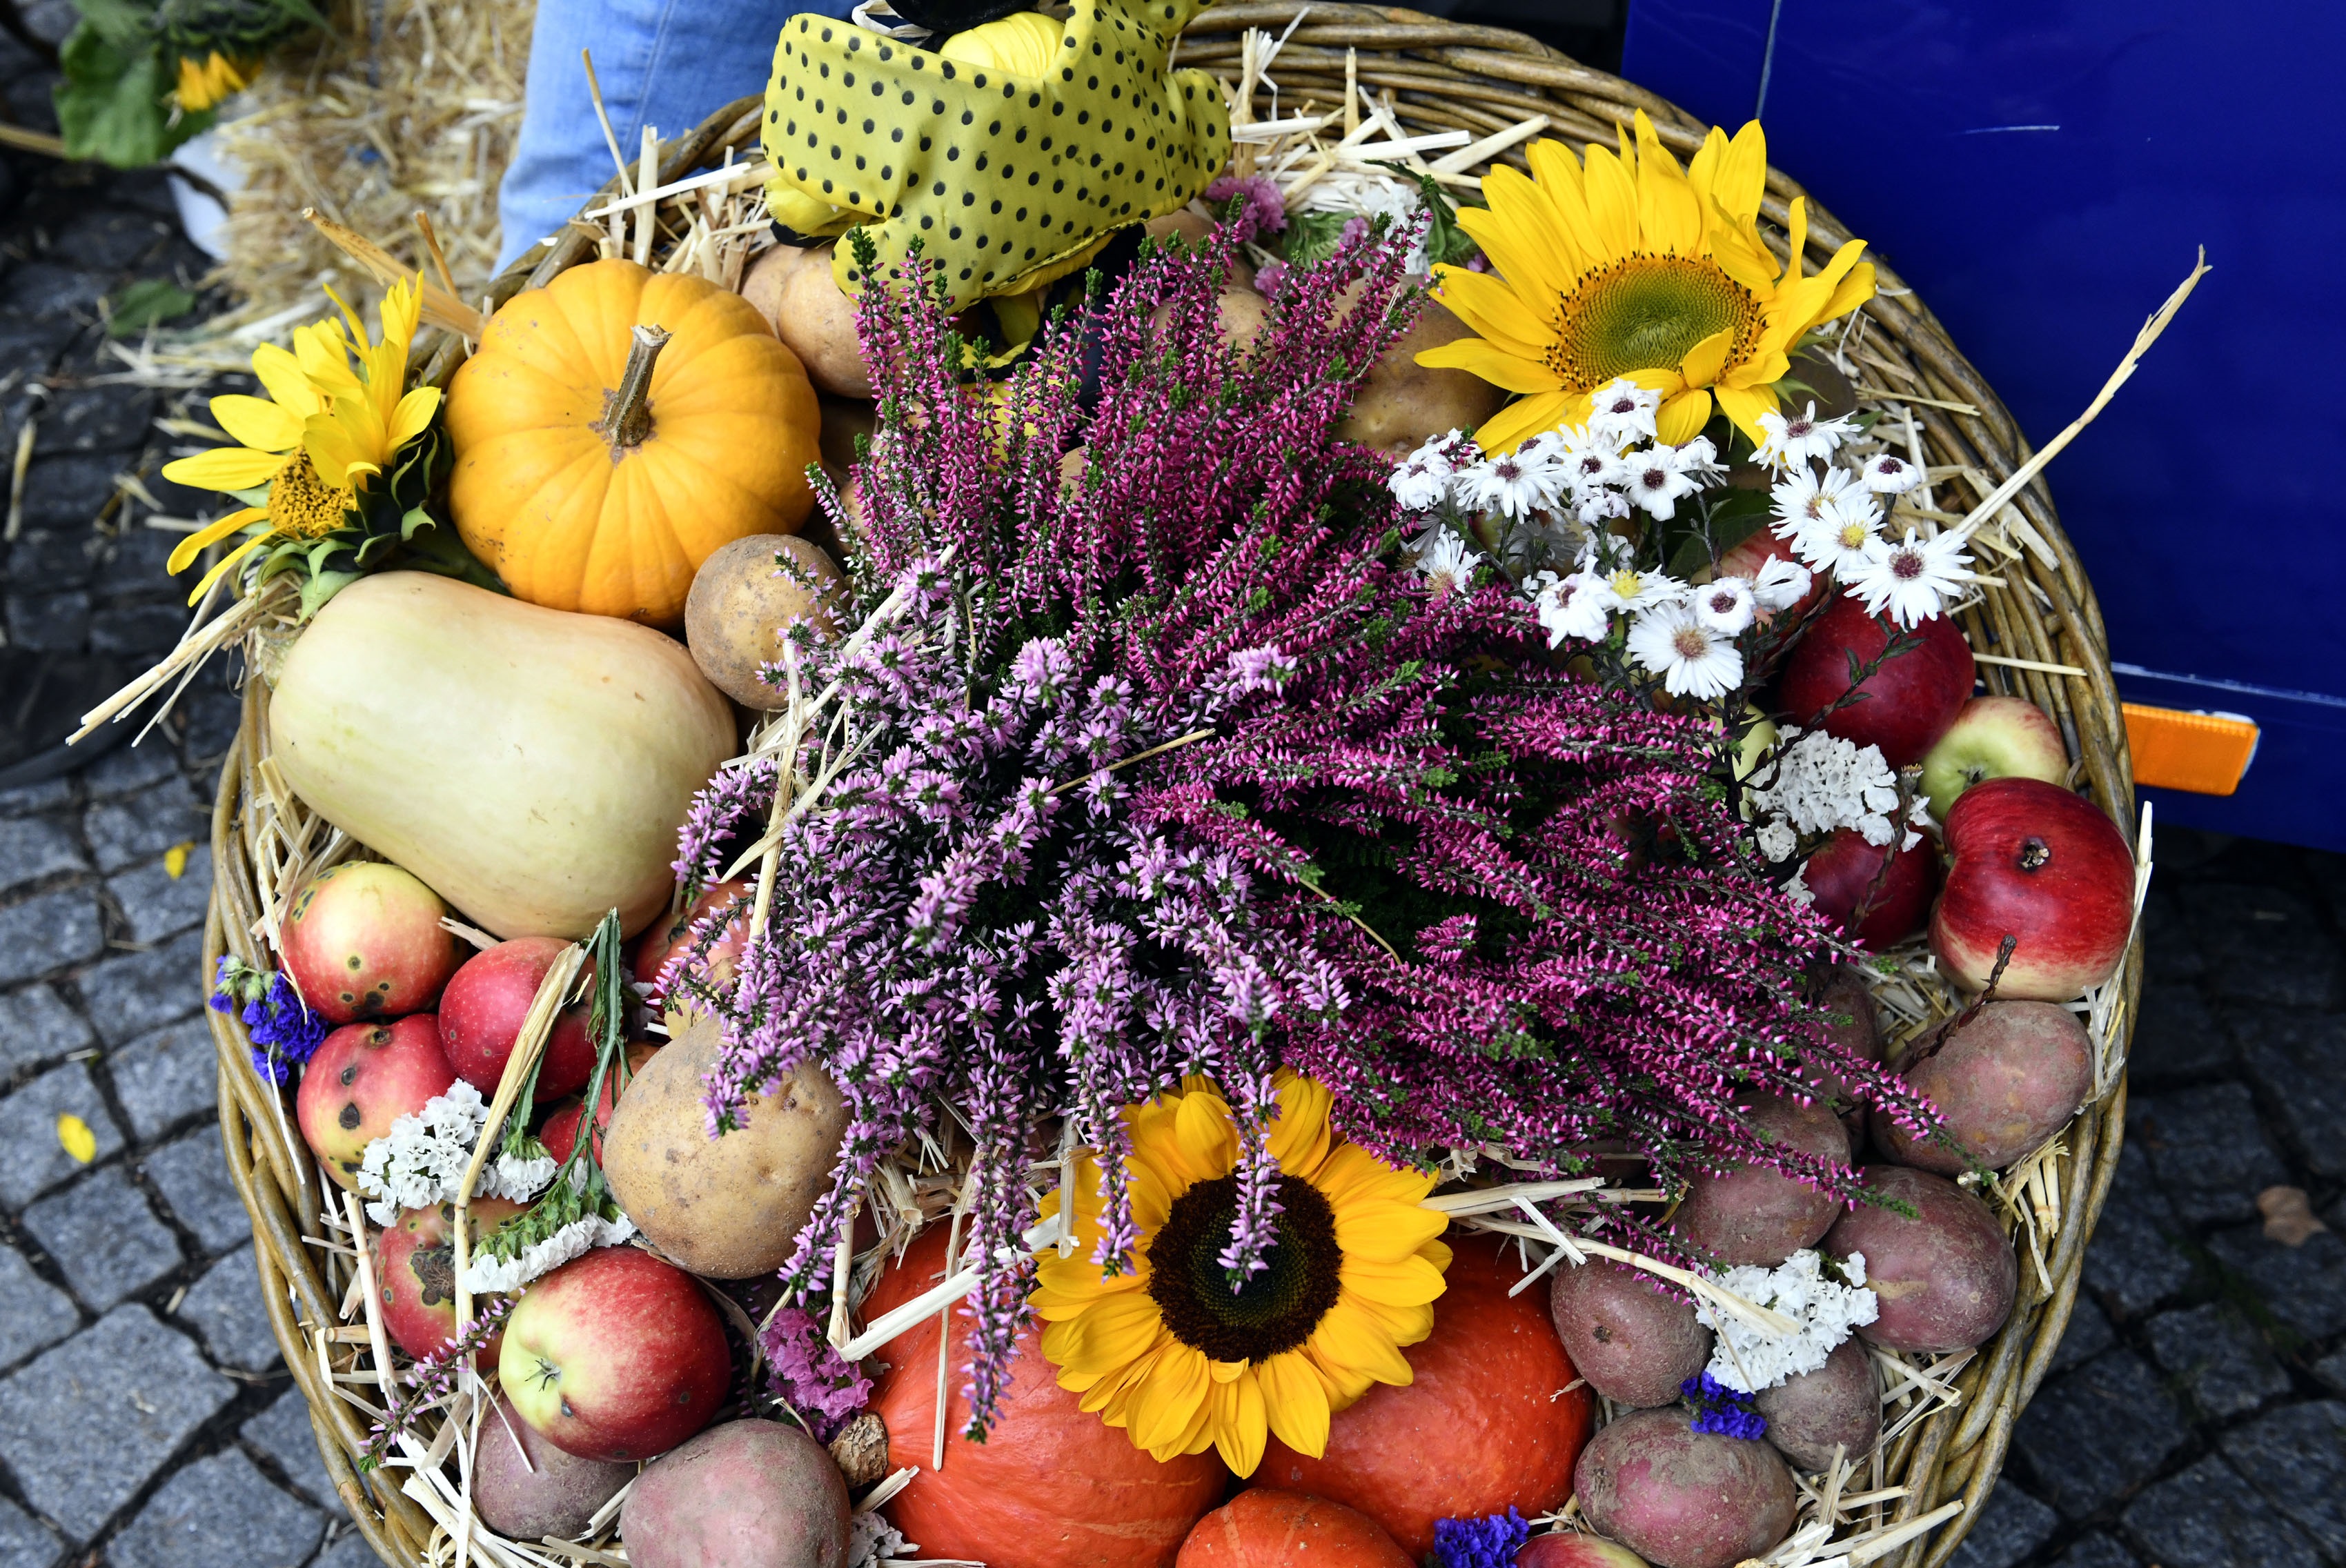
(1912, 580)
(1844, 539)
(1422, 481)
(1823, 782)
(1692, 659)
(871, 1541)
(421, 1160)
(1662, 475)
(518, 1179)
(485, 1275)
(1781, 583)
(1579, 605)
(1727, 606)
(1623, 412)
(1798, 890)
(1777, 840)
(1890, 475)
(1749, 1358)
(1447, 564)
(1803, 499)
(1514, 484)
(1793, 440)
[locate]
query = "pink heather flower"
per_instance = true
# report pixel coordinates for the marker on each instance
(1264, 210)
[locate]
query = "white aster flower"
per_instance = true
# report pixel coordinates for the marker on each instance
(1827, 1311)
(421, 1160)
(1781, 583)
(1658, 477)
(1596, 504)
(1821, 782)
(1692, 659)
(1802, 499)
(1514, 484)
(1422, 481)
(1794, 439)
(1726, 606)
(1588, 458)
(485, 1275)
(1913, 579)
(1447, 564)
(1623, 412)
(1844, 539)
(1578, 606)
(1635, 590)
(1890, 475)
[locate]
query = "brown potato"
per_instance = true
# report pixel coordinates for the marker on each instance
(1634, 1343)
(1683, 1499)
(1837, 1404)
(741, 598)
(747, 1494)
(1402, 404)
(731, 1206)
(1244, 314)
(1945, 1279)
(844, 419)
(1756, 1215)
(2007, 1081)
(793, 288)
(535, 1489)
(1184, 223)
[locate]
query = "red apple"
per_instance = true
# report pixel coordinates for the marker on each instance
(482, 1011)
(560, 1133)
(668, 936)
(415, 1269)
(364, 1077)
(1903, 707)
(2035, 861)
(364, 940)
(1877, 908)
(1571, 1549)
(1994, 738)
(615, 1355)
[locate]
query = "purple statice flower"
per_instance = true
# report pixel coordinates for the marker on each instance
(284, 1031)
(1490, 1542)
(1262, 209)
(1721, 1410)
(810, 1375)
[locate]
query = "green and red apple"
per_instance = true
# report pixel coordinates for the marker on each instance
(615, 1355)
(364, 940)
(1993, 738)
(364, 1077)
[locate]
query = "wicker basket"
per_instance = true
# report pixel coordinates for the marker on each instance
(2042, 622)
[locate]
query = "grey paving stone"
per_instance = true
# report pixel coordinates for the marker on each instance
(2207, 1150)
(2220, 1360)
(132, 992)
(49, 289)
(2135, 1259)
(35, 1025)
(225, 1307)
(49, 932)
(142, 825)
(32, 1160)
(104, 1236)
(25, 1542)
(2097, 1549)
(2261, 944)
(34, 1313)
(128, 769)
(157, 903)
(135, 1391)
(192, 1176)
(26, 798)
(166, 1076)
(283, 1433)
(349, 1550)
(2088, 1335)
(2299, 1060)
(2010, 1528)
(144, 631)
(2168, 950)
(2297, 1457)
(212, 717)
(49, 623)
(2208, 1517)
(218, 1513)
(32, 848)
(2303, 1287)
(2095, 1434)
(63, 495)
(2330, 1371)
(2177, 1036)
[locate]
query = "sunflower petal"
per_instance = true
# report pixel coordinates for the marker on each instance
(257, 422)
(1240, 1425)
(1205, 1136)
(1350, 1338)
(1670, 215)
(1295, 1402)
(1492, 363)
(224, 468)
(1708, 358)
(1742, 174)
(281, 373)
(1612, 203)
(1565, 186)
(1409, 1281)
(1163, 1407)
(412, 415)
(1744, 405)
(1507, 430)
(1851, 292)
(1495, 310)
(1385, 1232)
(222, 565)
(184, 555)
(1300, 1137)
(1680, 419)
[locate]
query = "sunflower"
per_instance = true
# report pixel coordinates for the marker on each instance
(324, 430)
(1630, 267)
(1170, 1354)
(204, 83)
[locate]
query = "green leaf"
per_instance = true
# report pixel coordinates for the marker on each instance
(322, 586)
(1444, 240)
(114, 102)
(147, 303)
(1311, 235)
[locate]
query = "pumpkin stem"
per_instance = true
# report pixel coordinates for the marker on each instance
(626, 419)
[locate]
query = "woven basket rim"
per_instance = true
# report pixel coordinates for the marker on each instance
(1440, 71)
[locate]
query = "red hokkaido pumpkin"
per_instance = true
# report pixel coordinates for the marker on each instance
(1266, 1528)
(1485, 1424)
(1052, 1486)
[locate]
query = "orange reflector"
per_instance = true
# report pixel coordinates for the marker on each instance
(2204, 753)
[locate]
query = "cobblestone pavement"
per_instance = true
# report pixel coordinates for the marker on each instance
(2198, 1421)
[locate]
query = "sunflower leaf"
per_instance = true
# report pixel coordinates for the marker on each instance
(147, 303)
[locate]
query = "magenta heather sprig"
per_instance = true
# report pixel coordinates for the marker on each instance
(434, 1379)
(808, 1375)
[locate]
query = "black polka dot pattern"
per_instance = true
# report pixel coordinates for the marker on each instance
(1001, 176)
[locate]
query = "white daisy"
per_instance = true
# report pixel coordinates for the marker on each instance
(1781, 583)
(1692, 659)
(1913, 579)
(1802, 499)
(1447, 564)
(1660, 476)
(1887, 473)
(1588, 458)
(1726, 606)
(1516, 484)
(1623, 412)
(1421, 480)
(1844, 539)
(1793, 439)
(1579, 605)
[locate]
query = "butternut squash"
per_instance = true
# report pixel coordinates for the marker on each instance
(532, 766)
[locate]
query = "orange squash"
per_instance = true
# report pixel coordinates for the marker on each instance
(1265, 1528)
(1052, 1486)
(615, 428)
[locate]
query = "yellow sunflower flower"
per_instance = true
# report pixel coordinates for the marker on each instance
(203, 82)
(1628, 266)
(1170, 1355)
(322, 433)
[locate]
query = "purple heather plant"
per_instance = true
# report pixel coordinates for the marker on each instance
(435, 1378)
(814, 1379)
(1171, 762)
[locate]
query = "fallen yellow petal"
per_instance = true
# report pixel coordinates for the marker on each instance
(78, 1141)
(175, 860)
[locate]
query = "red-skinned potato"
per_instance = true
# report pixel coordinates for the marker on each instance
(1839, 1403)
(2009, 1078)
(364, 940)
(1263, 1527)
(1633, 1342)
(747, 1494)
(1683, 1499)
(415, 1269)
(1945, 1279)
(484, 1006)
(1846, 996)
(1758, 1216)
(364, 1077)
(670, 935)
(528, 1489)
(1571, 1549)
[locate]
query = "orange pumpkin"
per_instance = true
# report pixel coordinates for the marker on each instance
(1486, 1423)
(616, 427)
(1266, 1528)
(1052, 1486)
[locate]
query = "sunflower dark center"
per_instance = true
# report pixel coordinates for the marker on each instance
(1279, 1307)
(1648, 313)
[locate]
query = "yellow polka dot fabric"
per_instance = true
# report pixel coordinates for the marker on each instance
(999, 173)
